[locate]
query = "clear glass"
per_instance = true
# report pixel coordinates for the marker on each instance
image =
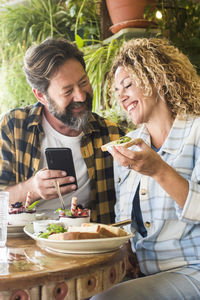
(4, 202)
(4, 261)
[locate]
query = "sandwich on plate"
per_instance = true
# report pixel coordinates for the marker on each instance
(89, 231)
(124, 141)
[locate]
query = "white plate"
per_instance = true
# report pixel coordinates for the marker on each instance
(13, 230)
(89, 246)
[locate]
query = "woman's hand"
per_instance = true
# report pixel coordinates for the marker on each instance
(146, 161)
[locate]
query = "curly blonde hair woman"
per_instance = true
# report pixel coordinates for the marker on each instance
(157, 181)
(155, 63)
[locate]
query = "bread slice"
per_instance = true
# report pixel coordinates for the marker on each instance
(74, 236)
(120, 142)
(107, 230)
(92, 228)
(56, 236)
(89, 231)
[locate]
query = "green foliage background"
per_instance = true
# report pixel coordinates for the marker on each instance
(79, 21)
(181, 25)
(24, 25)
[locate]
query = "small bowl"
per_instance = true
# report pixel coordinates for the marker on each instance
(68, 221)
(40, 226)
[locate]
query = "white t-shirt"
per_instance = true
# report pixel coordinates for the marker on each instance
(54, 139)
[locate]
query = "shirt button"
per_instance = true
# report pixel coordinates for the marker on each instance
(147, 224)
(119, 179)
(143, 192)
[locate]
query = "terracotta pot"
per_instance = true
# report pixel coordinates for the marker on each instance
(128, 11)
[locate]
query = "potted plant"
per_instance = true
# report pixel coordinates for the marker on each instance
(129, 13)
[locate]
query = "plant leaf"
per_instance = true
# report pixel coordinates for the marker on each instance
(79, 41)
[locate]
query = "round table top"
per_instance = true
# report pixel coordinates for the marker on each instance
(23, 263)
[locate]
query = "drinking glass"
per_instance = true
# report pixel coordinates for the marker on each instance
(4, 201)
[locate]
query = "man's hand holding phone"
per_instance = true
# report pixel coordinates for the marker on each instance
(61, 168)
(44, 183)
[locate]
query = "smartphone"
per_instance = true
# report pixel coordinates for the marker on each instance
(61, 159)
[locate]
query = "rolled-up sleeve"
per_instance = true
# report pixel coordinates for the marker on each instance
(7, 154)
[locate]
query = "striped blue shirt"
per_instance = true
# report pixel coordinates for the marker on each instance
(173, 233)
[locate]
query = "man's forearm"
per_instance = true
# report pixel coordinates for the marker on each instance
(18, 192)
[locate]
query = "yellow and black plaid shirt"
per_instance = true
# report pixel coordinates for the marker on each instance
(21, 134)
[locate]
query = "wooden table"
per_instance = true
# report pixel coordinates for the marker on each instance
(29, 273)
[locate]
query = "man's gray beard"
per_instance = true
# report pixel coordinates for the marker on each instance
(77, 123)
(71, 121)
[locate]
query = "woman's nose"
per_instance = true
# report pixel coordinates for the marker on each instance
(121, 96)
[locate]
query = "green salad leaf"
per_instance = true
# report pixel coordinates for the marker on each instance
(67, 212)
(44, 235)
(51, 229)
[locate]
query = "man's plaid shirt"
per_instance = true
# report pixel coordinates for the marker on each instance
(21, 134)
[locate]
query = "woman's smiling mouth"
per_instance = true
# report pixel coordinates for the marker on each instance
(132, 106)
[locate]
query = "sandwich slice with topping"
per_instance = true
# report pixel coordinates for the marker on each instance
(124, 141)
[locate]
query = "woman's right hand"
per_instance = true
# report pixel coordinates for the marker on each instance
(146, 161)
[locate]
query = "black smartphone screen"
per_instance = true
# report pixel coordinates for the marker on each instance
(61, 159)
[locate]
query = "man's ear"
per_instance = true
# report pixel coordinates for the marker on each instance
(40, 96)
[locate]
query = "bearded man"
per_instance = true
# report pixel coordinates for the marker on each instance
(62, 117)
